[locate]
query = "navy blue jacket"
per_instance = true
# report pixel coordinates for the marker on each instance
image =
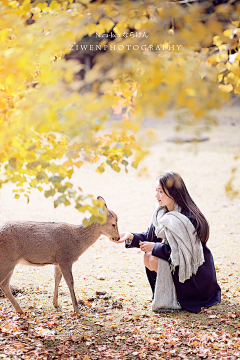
(201, 290)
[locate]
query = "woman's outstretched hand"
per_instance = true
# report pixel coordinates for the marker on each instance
(146, 246)
(124, 236)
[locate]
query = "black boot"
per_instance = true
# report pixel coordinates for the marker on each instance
(151, 275)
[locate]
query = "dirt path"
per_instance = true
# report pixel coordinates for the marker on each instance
(205, 169)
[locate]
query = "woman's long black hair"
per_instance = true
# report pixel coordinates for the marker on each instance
(174, 184)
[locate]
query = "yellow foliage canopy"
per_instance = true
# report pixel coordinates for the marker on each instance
(164, 55)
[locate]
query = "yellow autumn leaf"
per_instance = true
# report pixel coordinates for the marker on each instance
(191, 92)
(107, 24)
(120, 28)
(225, 88)
(90, 29)
(54, 4)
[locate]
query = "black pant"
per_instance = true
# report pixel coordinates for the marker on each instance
(151, 275)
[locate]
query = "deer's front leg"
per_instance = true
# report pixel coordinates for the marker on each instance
(57, 277)
(67, 273)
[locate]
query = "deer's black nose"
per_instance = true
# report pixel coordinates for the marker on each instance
(115, 239)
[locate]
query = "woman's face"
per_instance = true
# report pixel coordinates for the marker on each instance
(162, 198)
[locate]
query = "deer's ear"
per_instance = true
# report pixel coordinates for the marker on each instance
(102, 199)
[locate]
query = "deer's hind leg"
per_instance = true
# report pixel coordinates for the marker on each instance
(67, 274)
(5, 285)
(57, 276)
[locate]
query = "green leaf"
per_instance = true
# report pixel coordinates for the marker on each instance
(12, 164)
(127, 152)
(61, 200)
(41, 176)
(62, 189)
(85, 222)
(44, 164)
(78, 206)
(120, 145)
(32, 165)
(50, 192)
(124, 162)
(101, 210)
(55, 179)
(71, 191)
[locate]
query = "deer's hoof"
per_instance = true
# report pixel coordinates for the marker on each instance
(20, 311)
(77, 311)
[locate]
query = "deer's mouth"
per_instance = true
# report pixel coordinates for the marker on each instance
(114, 239)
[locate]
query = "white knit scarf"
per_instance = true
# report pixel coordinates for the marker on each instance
(178, 232)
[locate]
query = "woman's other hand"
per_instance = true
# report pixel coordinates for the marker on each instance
(146, 246)
(124, 236)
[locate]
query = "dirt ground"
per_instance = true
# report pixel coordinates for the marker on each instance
(205, 168)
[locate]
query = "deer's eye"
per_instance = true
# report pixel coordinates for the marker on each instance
(114, 225)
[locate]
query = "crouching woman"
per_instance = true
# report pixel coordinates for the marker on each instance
(179, 265)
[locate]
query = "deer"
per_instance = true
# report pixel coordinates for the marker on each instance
(44, 243)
